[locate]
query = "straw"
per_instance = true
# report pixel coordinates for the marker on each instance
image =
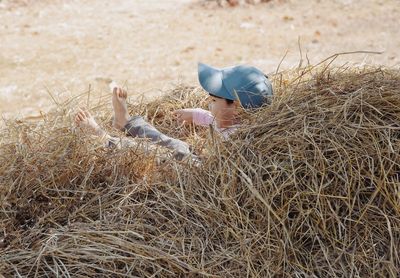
(308, 187)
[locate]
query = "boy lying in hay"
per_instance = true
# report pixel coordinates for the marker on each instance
(310, 187)
(228, 88)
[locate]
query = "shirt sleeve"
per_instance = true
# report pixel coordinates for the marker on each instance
(201, 117)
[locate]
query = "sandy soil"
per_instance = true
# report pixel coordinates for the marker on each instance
(62, 47)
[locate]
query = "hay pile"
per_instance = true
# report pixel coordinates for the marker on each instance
(308, 187)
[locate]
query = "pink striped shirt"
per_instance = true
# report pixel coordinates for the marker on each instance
(205, 118)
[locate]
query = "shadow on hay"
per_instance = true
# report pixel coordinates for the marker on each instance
(308, 186)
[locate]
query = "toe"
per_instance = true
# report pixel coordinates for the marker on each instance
(81, 114)
(78, 118)
(120, 92)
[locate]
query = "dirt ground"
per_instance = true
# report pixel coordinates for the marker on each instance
(61, 48)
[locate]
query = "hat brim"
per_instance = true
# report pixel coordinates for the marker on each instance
(211, 79)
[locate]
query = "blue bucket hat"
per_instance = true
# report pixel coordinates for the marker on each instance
(246, 83)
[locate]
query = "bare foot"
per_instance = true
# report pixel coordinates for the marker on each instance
(121, 115)
(87, 123)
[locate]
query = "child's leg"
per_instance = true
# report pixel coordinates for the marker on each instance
(88, 124)
(135, 127)
(138, 127)
(123, 143)
(121, 115)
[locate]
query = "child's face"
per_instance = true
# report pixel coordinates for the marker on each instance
(223, 112)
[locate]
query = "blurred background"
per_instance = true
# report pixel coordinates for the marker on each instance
(51, 50)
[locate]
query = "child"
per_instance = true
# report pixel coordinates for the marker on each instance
(228, 89)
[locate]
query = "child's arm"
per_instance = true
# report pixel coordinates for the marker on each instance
(196, 116)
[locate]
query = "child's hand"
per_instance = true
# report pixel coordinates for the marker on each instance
(184, 116)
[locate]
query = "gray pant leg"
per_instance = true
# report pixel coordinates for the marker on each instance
(138, 127)
(121, 143)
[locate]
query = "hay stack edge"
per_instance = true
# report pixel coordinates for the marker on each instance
(309, 187)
